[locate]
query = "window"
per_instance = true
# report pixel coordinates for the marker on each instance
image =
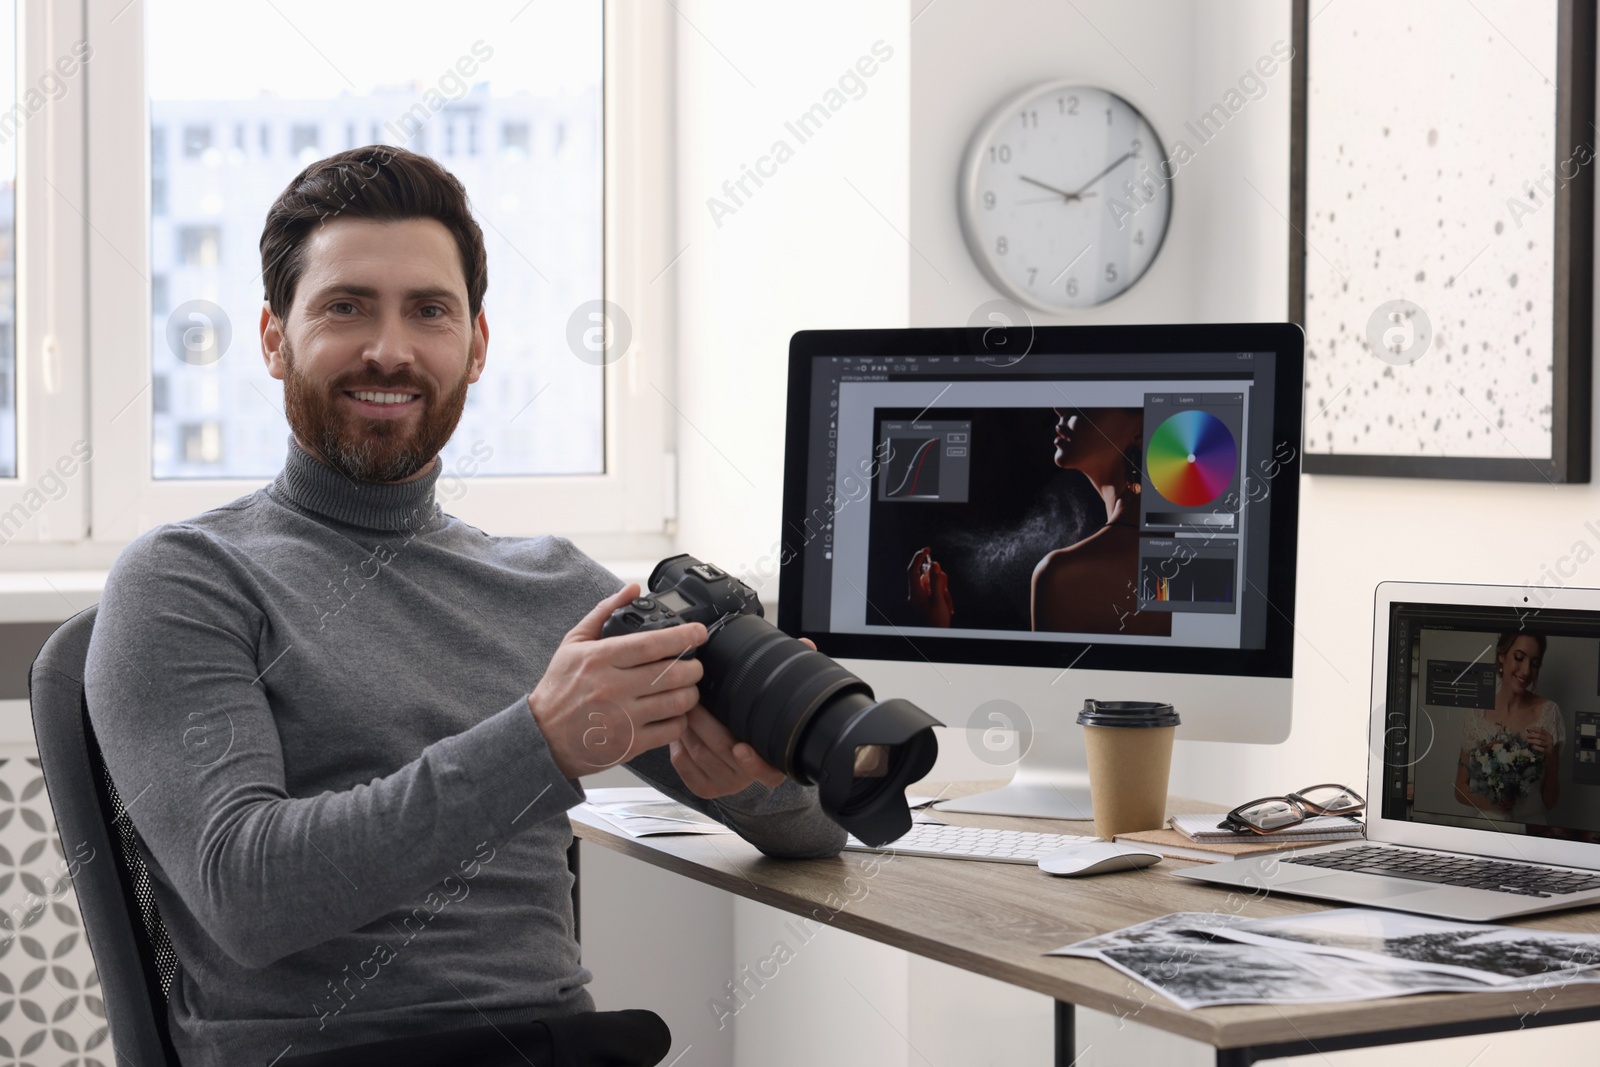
(44, 492)
(542, 250)
(573, 445)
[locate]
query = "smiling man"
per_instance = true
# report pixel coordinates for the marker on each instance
(355, 821)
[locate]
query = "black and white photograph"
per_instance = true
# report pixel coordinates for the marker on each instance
(1496, 954)
(1203, 958)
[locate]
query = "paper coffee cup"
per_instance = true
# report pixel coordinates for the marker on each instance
(1129, 743)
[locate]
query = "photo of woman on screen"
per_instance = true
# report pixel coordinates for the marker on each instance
(1510, 757)
(1090, 585)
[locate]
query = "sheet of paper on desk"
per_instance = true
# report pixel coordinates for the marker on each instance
(642, 812)
(1201, 959)
(1502, 955)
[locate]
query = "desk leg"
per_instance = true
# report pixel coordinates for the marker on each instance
(1066, 1035)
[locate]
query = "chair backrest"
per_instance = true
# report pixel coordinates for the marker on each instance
(124, 928)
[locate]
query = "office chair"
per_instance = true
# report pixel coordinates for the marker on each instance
(124, 929)
(129, 942)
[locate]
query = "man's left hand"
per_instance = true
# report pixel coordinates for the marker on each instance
(713, 763)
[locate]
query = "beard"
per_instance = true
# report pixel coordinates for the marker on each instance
(362, 448)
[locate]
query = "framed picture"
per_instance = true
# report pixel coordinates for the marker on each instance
(1441, 239)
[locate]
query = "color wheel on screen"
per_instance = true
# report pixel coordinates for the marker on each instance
(1191, 458)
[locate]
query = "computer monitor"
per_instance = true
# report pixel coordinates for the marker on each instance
(999, 523)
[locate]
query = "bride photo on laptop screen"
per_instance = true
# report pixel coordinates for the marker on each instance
(1504, 713)
(1510, 759)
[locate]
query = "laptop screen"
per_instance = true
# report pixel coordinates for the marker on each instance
(1492, 719)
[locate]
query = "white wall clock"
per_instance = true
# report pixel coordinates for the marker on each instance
(1065, 196)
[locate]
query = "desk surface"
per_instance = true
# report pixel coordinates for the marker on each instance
(997, 919)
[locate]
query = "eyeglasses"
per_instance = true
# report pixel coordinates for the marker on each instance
(1270, 814)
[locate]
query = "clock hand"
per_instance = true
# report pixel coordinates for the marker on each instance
(1102, 174)
(1056, 199)
(1042, 185)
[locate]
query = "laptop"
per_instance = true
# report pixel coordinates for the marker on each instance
(1466, 818)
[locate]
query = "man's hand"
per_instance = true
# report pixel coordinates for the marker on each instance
(601, 703)
(713, 763)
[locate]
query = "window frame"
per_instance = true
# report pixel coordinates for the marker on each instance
(49, 239)
(628, 510)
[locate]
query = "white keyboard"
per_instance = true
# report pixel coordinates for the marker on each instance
(975, 843)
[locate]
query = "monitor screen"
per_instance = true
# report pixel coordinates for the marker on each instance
(1493, 719)
(1112, 497)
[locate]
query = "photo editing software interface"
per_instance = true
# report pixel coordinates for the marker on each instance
(1492, 719)
(1114, 498)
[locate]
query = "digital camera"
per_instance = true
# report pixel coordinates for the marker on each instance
(802, 712)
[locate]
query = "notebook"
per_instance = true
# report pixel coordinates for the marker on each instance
(1484, 768)
(1173, 844)
(1318, 828)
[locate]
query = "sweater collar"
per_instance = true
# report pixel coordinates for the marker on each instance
(310, 484)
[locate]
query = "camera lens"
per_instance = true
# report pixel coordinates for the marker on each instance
(819, 723)
(804, 714)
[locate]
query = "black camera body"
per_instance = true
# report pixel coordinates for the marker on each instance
(802, 712)
(704, 594)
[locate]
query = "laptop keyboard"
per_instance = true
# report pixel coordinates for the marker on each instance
(1466, 872)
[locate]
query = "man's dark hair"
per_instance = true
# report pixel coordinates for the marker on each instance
(375, 182)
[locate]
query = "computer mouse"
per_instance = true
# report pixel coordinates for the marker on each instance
(1096, 857)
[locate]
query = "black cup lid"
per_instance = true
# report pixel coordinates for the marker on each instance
(1126, 713)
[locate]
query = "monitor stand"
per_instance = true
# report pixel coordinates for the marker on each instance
(1051, 782)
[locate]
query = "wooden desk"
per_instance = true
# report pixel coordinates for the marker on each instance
(997, 919)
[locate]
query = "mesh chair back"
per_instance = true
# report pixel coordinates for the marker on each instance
(124, 929)
(155, 948)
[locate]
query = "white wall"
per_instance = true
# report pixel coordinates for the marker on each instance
(1226, 252)
(809, 251)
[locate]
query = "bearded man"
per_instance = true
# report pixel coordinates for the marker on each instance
(367, 842)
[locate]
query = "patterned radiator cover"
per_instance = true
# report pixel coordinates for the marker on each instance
(51, 1014)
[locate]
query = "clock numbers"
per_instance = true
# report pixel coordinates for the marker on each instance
(1067, 104)
(1000, 246)
(1072, 287)
(1108, 116)
(1000, 154)
(988, 201)
(1030, 118)
(1138, 237)
(1032, 273)
(1111, 272)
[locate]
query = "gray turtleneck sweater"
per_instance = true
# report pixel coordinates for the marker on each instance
(313, 700)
